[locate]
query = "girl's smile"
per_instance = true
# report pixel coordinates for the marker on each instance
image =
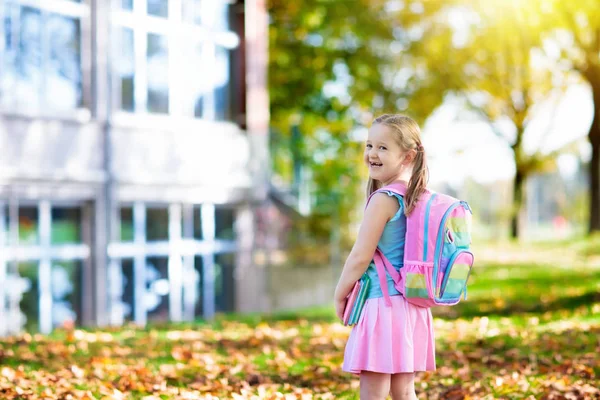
(383, 156)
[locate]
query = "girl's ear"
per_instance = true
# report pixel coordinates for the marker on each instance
(410, 157)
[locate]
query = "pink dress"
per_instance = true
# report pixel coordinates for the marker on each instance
(392, 339)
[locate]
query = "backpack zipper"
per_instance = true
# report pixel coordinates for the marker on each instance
(426, 237)
(440, 239)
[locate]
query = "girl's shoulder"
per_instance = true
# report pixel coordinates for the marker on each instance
(386, 203)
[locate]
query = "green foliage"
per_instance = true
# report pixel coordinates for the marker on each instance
(333, 66)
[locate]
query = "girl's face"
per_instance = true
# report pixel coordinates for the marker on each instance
(383, 155)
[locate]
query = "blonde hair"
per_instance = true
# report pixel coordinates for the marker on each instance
(408, 136)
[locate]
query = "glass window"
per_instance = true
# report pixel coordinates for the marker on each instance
(28, 225)
(191, 11)
(210, 13)
(29, 304)
(126, 224)
(22, 79)
(157, 278)
(157, 224)
(63, 72)
(198, 265)
(224, 223)
(198, 223)
(32, 79)
(204, 79)
(221, 85)
(225, 282)
(220, 12)
(158, 8)
(66, 225)
(126, 69)
(200, 85)
(66, 292)
(158, 73)
(128, 288)
(214, 82)
(5, 225)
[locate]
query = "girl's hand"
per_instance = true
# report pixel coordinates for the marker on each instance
(340, 305)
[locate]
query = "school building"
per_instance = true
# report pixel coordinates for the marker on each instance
(134, 154)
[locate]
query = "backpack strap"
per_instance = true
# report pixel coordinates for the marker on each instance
(397, 187)
(381, 262)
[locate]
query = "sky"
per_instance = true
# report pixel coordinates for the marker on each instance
(460, 149)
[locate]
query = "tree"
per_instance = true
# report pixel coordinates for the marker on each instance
(575, 27)
(494, 75)
(333, 65)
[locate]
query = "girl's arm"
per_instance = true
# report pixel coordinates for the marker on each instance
(379, 211)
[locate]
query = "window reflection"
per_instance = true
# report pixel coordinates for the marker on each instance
(198, 267)
(205, 76)
(128, 289)
(63, 83)
(224, 223)
(158, 73)
(210, 13)
(126, 69)
(5, 225)
(157, 297)
(28, 70)
(66, 292)
(224, 282)
(28, 225)
(198, 223)
(31, 79)
(157, 224)
(214, 81)
(221, 80)
(193, 11)
(66, 225)
(199, 84)
(126, 224)
(29, 304)
(158, 8)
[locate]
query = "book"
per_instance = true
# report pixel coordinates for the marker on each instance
(351, 299)
(356, 301)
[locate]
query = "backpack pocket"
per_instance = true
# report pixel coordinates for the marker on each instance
(449, 248)
(457, 274)
(417, 283)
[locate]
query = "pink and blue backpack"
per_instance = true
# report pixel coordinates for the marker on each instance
(437, 255)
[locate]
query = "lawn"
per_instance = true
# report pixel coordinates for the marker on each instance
(529, 329)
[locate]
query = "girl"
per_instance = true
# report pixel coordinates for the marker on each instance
(388, 344)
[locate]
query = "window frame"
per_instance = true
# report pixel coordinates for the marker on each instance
(67, 8)
(177, 30)
(180, 249)
(44, 253)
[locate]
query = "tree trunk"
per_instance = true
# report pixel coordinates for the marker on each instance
(517, 203)
(594, 137)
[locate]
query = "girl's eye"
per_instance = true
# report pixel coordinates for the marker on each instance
(382, 147)
(369, 146)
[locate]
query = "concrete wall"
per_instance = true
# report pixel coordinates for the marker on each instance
(299, 286)
(50, 150)
(193, 161)
(192, 153)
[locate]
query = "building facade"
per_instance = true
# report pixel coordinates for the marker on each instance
(134, 152)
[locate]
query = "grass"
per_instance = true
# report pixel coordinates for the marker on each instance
(529, 329)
